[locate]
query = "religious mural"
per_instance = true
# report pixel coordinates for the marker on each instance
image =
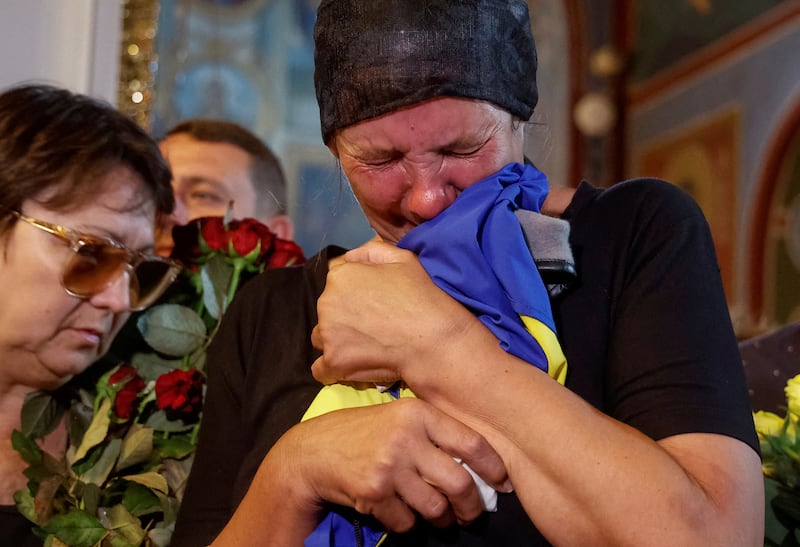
(703, 159)
(251, 62)
(776, 266)
(665, 32)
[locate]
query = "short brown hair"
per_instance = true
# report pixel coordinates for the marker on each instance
(54, 138)
(265, 169)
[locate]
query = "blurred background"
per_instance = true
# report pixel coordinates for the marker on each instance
(703, 93)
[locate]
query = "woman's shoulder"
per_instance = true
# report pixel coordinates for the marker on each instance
(641, 192)
(639, 201)
(278, 280)
(277, 293)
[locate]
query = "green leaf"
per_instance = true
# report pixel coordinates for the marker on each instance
(23, 499)
(79, 418)
(161, 537)
(172, 329)
(151, 479)
(50, 467)
(41, 413)
(97, 430)
(177, 472)
(46, 493)
(99, 472)
(26, 447)
(76, 528)
(140, 500)
(117, 541)
(216, 275)
(137, 446)
(86, 463)
(150, 366)
(125, 525)
(90, 495)
(169, 506)
(159, 421)
(53, 541)
(176, 446)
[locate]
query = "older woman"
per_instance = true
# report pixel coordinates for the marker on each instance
(649, 442)
(80, 188)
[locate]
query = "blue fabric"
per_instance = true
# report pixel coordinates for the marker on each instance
(336, 530)
(476, 252)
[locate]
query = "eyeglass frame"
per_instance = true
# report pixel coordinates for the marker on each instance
(75, 240)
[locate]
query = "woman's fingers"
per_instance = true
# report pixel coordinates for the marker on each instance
(396, 460)
(377, 252)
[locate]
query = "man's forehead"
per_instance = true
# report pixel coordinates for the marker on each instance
(189, 180)
(180, 149)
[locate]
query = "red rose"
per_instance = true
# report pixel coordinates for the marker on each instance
(214, 233)
(125, 399)
(244, 236)
(285, 253)
(180, 391)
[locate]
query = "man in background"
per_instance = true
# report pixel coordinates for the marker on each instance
(215, 163)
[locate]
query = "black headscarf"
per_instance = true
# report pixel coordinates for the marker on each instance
(375, 56)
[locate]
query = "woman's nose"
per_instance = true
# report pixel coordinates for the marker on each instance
(428, 196)
(117, 296)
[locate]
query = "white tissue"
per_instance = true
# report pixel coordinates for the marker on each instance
(487, 493)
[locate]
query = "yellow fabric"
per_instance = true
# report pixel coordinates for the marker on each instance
(338, 396)
(556, 360)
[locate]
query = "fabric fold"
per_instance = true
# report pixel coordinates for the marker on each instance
(475, 251)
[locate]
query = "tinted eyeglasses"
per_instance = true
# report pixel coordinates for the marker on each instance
(96, 262)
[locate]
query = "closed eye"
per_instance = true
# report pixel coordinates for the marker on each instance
(462, 153)
(382, 160)
(463, 149)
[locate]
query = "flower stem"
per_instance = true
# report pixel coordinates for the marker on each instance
(238, 266)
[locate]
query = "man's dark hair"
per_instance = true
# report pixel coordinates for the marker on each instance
(265, 169)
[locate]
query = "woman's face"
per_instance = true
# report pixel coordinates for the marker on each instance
(46, 335)
(408, 166)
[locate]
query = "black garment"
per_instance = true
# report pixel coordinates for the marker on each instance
(15, 530)
(645, 330)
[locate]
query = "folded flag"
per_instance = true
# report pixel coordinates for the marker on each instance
(476, 251)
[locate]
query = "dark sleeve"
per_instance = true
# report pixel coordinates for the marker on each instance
(222, 444)
(16, 530)
(259, 386)
(673, 357)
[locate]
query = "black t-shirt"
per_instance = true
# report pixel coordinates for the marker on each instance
(645, 330)
(15, 530)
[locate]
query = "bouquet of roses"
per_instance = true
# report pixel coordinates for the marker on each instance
(133, 417)
(780, 457)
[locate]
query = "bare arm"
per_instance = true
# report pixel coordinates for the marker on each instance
(397, 457)
(583, 477)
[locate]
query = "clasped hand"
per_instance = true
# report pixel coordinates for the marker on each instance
(381, 319)
(393, 461)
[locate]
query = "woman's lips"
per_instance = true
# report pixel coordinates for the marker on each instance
(89, 336)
